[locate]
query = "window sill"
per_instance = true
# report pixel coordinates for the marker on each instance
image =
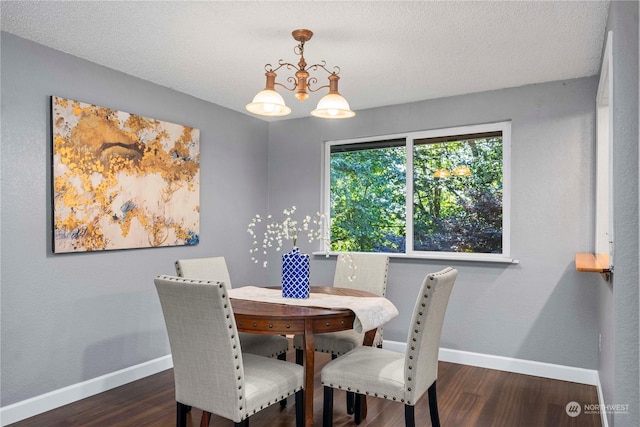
(489, 258)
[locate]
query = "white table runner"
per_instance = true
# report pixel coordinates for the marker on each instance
(370, 312)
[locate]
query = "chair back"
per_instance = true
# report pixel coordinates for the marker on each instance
(423, 341)
(213, 269)
(362, 271)
(207, 361)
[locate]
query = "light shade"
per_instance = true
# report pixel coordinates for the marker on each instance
(461, 171)
(268, 103)
(333, 106)
(441, 173)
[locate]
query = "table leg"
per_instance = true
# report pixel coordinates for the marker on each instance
(309, 366)
(369, 336)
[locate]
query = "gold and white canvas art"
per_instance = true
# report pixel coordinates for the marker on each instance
(122, 181)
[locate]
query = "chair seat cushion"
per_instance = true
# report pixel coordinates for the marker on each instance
(337, 343)
(368, 370)
(268, 381)
(263, 345)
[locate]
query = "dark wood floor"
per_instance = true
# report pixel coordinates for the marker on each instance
(467, 396)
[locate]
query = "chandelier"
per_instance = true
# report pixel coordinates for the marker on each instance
(268, 102)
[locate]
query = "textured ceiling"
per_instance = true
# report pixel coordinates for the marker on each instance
(388, 52)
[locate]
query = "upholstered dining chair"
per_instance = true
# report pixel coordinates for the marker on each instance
(210, 370)
(362, 271)
(395, 376)
(215, 269)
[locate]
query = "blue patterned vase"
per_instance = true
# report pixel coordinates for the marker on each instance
(295, 274)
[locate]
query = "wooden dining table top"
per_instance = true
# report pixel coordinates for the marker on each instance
(292, 314)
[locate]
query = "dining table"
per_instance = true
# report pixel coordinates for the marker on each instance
(287, 316)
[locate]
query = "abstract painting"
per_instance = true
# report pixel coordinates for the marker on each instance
(122, 181)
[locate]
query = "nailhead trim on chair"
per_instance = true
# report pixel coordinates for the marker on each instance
(235, 347)
(417, 330)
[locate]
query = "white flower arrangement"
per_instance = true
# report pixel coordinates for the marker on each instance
(276, 233)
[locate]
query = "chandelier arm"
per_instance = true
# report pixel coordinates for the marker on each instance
(291, 80)
(289, 65)
(318, 88)
(311, 81)
(336, 69)
(269, 67)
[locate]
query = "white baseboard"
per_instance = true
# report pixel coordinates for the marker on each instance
(603, 414)
(54, 399)
(518, 366)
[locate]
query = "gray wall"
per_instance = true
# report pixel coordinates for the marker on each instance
(70, 318)
(619, 302)
(541, 309)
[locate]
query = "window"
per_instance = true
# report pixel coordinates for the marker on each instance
(455, 206)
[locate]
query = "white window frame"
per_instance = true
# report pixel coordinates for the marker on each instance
(604, 158)
(410, 137)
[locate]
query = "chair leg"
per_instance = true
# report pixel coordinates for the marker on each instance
(206, 417)
(244, 423)
(299, 408)
(363, 406)
(283, 402)
(433, 406)
(409, 416)
(327, 407)
(181, 414)
(357, 408)
(350, 401)
(299, 356)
